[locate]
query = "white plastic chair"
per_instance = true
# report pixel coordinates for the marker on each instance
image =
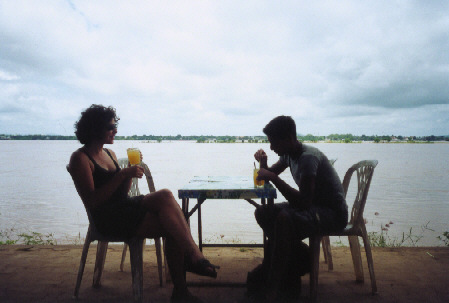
(134, 191)
(355, 228)
(136, 251)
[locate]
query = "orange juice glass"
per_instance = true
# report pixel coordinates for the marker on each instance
(257, 183)
(133, 156)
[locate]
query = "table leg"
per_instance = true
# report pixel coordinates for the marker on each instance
(265, 240)
(265, 245)
(185, 209)
(200, 228)
(183, 206)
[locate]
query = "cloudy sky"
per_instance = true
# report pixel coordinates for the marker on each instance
(226, 67)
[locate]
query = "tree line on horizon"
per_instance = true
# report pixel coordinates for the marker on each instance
(231, 139)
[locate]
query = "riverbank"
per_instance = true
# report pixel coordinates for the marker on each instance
(48, 273)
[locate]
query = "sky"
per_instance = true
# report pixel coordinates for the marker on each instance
(226, 67)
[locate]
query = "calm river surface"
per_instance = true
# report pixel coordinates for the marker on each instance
(410, 186)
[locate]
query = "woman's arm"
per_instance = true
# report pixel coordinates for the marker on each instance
(81, 170)
(126, 185)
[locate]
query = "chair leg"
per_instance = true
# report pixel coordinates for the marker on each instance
(82, 264)
(122, 263)
(315, 265)
(327, 251)
(166, 271)
(157, 244)
(323, 244)
(354, 245)
(369, 259)
(135, 254)
(102, 249)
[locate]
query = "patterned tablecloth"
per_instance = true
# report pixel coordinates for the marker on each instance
(225, 187)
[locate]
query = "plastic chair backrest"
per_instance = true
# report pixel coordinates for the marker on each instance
(134, 190)
(365, 170)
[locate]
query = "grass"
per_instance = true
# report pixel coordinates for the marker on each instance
(12, 236)
(377, 239)
(409, 239)
(221, 239)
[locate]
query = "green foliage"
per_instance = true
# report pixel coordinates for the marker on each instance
(382, 239)
(12, 236)
(6, 237)
(339, 243)
(311, 138)
(444, 238)
(346, 138)
(36, 238)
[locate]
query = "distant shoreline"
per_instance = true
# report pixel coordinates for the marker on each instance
(244, 141)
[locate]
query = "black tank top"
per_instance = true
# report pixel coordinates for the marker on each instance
(102, 176)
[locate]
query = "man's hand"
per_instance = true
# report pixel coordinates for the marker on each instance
(261, 157)
(265, 174)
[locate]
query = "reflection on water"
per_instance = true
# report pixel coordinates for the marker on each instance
(409, 187)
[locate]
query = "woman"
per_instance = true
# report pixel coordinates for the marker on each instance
(103, 188)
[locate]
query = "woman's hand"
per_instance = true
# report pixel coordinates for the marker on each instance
(261, 157)
(133, 171)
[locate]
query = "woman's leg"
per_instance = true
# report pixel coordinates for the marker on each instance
(171, 223)
(172, 220)
(152, 228)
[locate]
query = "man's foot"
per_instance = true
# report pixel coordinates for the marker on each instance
(256, 281)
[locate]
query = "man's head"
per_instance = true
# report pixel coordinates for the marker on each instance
(281, 128)
(281, 132)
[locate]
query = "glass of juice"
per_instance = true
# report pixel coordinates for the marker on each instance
(257, 183)
(133, 156)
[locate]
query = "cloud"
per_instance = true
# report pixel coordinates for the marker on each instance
(225, 67)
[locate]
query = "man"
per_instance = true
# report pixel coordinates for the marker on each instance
(318, 205)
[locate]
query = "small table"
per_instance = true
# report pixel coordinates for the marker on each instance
(223, 187)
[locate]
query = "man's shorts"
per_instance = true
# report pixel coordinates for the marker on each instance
(304, 222)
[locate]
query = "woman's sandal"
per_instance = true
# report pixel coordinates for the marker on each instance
(202, 267)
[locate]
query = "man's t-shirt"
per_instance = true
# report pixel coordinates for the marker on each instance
(328, 188)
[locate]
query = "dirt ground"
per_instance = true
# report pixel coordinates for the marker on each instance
(48, 274)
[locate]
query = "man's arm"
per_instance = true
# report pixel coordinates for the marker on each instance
(301, 199)
(276, 168)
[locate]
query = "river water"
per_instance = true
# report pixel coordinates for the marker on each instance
(410, 187)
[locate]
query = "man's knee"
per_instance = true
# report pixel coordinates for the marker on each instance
(284, 219)
(263, 218)
(259, 215)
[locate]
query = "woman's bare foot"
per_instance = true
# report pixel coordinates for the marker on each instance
(201, 267)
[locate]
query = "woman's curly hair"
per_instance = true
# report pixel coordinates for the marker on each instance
(94, 122)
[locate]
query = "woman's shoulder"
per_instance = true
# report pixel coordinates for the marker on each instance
(111, 152)
(78, 154)
(78, 158)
